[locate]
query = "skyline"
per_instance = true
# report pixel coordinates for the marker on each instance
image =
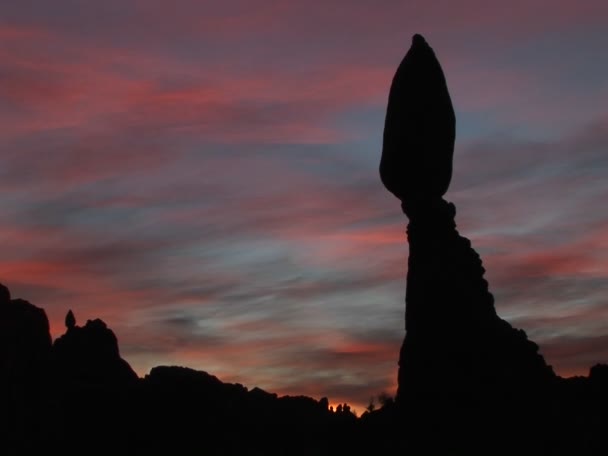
(204, 178)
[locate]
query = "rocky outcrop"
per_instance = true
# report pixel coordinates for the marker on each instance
(25, 344)
(91, 389)
(465, 375)
(456, 347)
(25, 339)
(89, 354)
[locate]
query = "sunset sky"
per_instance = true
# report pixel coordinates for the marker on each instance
(202, 175)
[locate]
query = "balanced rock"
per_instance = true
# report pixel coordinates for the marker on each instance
(25, 344)
(419, 129)
(456, 347)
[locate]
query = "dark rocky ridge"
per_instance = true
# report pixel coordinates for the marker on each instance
(451, 323)
(25, 345)
(78, 395)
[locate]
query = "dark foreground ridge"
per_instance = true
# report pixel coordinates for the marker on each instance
(77, 396)
(469, 383)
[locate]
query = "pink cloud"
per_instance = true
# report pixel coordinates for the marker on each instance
(108, 88)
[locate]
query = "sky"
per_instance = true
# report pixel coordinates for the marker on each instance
(203, 176)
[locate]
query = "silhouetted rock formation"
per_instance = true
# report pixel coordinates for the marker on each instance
(90, 354)
(91, 390)
(458, 356)
(79, 396)
(452, 328)
(456, 347)
(237, 420)
(465, 375)
(89, 401)
(70, 320)
(25, 343)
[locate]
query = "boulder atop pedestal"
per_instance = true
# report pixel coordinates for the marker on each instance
(456, 346)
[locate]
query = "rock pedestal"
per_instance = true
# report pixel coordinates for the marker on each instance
(456, 346)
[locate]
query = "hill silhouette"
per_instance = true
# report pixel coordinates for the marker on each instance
(469, 383)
